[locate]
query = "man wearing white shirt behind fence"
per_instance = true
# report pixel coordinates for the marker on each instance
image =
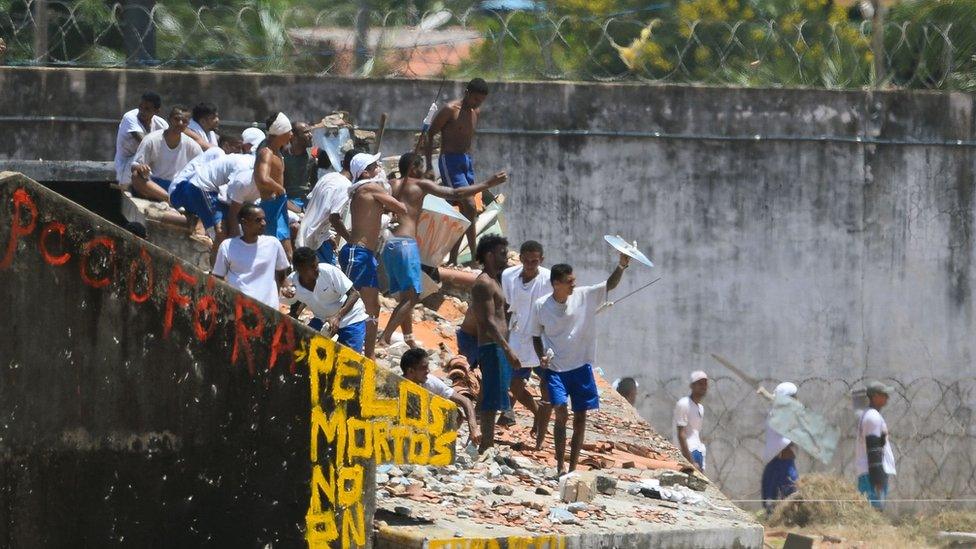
(689, 415)
(563, 328)
(253, 263)
(874, 461)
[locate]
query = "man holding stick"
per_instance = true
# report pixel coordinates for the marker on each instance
(563, 328)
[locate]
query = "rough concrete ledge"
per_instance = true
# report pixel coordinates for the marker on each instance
(46, 171)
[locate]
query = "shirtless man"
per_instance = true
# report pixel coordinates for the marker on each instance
(496, 358)
(269, 172)
(369, 197)
(401, 256)
(456, 123)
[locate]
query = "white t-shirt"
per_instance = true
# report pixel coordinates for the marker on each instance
(251, 267)
(870, 422)
(191, 167)
(569, 329)
(689, 415)
(241, 188)
(329, 196)
(438, 387)
(211, 176)
(328, 296)
(521, 297)
(209, 137)
(163, 161)
(126, 145)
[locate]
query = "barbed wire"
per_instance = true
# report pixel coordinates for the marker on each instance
(929, 420)
(654, 44)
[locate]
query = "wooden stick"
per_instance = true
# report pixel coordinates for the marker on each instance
(380, 132)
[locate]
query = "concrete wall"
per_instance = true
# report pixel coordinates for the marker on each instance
(143, 401)
(836, 246)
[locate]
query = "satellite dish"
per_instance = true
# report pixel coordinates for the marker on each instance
(627, 249)
(435, 20)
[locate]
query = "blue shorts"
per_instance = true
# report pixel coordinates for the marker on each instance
(699, 459)
(496, 376)
(578, 385)
(865, 487)
(220, 212)
(276, 214)
(778, 481)
(359, 263)
(195, 201)
(326, 253)
(457, 169)
(401, 259)
(526, 373)
(468, 347)
(352, 336)
(300, 202)
(164, 183)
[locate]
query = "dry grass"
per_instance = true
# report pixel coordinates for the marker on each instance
(803, 509)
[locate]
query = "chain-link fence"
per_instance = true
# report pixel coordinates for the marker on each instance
(930, 421)
(667, 43)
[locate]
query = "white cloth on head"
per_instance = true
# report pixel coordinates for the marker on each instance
(251, 268)
(870, 422)
(785, 389)
(569, 329)
(691, 416)
(438, 387)
(163, 161)
(126, 145)
(329, 196)
(697, 375)
(209, 137)
(280, 126)
(521, 296)
(360, 162)
(328, 296)
(254, 137)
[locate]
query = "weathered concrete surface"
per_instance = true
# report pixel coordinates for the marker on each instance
(809, 256)
(143, 401)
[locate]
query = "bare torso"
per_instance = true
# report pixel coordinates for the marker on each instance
(276, 171)
(495, 308)
(412, 196)
(367, 215)
(458, 131)
(470, 323)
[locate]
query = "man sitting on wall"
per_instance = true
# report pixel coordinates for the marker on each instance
(416, 368)
(134, 126)
(161, 155)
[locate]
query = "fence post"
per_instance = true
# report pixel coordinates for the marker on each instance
(877, 42)
(40, 32)
(362, 35)
(139, 31)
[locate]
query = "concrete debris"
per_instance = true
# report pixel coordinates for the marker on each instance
(576, 487)
(694, 480)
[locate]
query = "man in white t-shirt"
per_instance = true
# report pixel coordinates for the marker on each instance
(689, 414)
(328, 292)
(202, 127)
(416, 368)
(523, 285)
(874, 461)
(135, 125)
(253, 263)
(325, 211)
(161, 155)
(197, 187)
(563, 328)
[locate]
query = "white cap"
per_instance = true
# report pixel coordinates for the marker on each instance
(280, 126)
(254, 137)
(785, 389)
(697, 376)
(360, 162)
